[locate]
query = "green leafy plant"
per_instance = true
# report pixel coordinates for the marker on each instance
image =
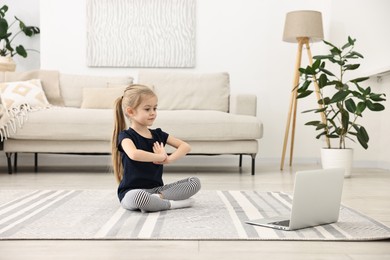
(341, 102)
(6, 37)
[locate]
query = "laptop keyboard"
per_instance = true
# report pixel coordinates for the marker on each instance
(284, 223)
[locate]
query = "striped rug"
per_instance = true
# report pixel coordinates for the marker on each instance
(216, 215)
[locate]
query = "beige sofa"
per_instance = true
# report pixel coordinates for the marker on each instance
(196, 107)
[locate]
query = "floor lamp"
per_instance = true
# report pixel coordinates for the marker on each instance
(300, 27)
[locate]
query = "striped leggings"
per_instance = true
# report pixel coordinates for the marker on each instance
(146, 200)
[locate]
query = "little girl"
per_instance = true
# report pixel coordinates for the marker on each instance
(138, 156)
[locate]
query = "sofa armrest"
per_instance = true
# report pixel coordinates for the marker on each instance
(243, 104)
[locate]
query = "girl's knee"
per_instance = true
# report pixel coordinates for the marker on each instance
(135, 199)
(195, 183)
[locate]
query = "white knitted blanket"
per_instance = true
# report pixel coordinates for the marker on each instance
(13, 118)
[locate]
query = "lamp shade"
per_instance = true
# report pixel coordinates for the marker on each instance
(303, 24)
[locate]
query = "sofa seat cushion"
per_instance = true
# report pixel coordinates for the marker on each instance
(208, 125)
(67, 123)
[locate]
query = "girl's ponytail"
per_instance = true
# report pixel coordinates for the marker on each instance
(119, 125)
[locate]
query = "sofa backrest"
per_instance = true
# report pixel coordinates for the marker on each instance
(72, 86)
(188, 91)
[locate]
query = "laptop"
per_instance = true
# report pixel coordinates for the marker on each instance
(316, 201)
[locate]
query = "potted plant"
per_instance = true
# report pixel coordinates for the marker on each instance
(7, 47)
(341, 102)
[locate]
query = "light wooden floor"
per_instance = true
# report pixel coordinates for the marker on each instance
(367, 191)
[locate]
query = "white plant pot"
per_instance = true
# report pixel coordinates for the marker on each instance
(337, 158)
(7, 64)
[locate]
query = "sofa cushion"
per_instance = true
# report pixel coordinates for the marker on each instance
(101, 97)
(72, 86)
(208, 125)
(188, 91)
(67, 123)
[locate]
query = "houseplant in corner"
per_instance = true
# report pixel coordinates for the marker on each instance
(341, 102)
(7, 47)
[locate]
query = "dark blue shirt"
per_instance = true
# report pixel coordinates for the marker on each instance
(140, 175)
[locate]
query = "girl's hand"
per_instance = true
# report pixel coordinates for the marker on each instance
(158, 148)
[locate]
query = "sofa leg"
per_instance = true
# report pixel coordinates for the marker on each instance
(253, 163)
(36, 162)
(9, 163)
(15, 162)
(240, 161)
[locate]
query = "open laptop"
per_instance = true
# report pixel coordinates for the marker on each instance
(316, 201)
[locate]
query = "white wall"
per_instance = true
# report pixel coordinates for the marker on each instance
(383, 137)
(244, 38)
(370, 27)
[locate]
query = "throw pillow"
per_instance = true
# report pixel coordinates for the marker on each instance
(49, 81)
(101, 98)
(19, 93)
(18, 98)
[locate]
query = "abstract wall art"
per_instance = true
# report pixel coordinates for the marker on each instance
(141, 33)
